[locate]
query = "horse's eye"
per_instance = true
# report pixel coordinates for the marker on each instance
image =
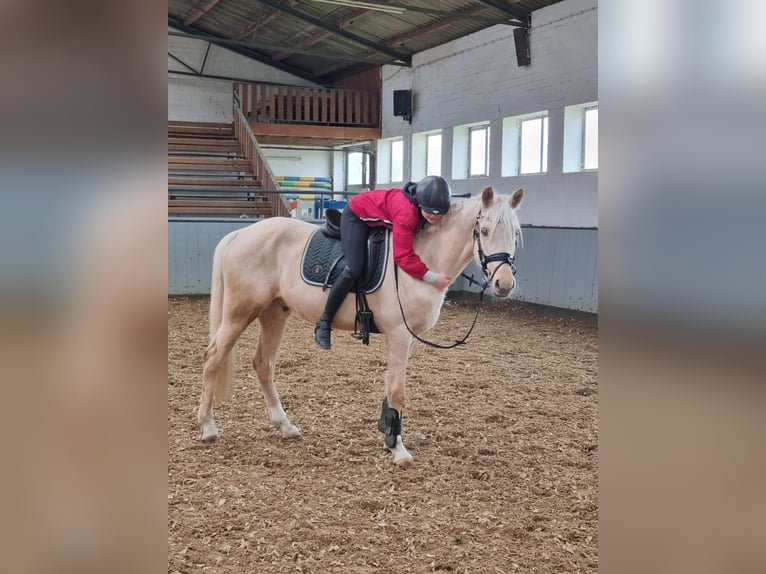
(484, 231)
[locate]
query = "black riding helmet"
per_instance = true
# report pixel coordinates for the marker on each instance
(433, 195)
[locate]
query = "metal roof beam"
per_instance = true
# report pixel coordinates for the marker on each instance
(288, 50)
(523, 16)
(405, 58)
(402, 38)
(321, 36)
(197, 14)
(247, 52)
(252, 28)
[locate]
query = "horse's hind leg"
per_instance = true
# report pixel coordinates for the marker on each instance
(217, 372)
(273, 320)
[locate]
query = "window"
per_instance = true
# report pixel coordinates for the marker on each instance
(434, 154)
(397, 160)
(478, 158)
(470, 150)
(534, 146)
(590, 139)
(425, 154)
(357, 168)
(581, 137)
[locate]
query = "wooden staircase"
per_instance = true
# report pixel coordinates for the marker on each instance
(214, 170)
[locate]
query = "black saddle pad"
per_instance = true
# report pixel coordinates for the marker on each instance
(322, 259)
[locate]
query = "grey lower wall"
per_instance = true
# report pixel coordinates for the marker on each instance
(191, 243)
(556, 266)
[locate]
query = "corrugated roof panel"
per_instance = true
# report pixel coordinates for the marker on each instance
(382, 35)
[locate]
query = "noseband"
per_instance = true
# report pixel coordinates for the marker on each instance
(502, 257)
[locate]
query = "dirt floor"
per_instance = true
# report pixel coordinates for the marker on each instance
(503, 431)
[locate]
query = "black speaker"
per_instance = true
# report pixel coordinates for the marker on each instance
(403, 103)
(521, 39)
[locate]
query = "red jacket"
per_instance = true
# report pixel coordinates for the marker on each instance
(392, 209)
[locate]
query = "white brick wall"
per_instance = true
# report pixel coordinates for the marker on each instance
(476, 79)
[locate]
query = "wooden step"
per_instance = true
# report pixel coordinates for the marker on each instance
(214, 142)
(201, 133)
(204, 154)
(202, 207)
(209, 164)
(208, 195)
(214, 182)
(213, 151)
(179, 123)
(208, 174)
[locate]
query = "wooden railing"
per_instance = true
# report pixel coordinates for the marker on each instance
(252, 152)
(269, 103)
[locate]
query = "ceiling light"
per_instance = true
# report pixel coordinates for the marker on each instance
(367, 5)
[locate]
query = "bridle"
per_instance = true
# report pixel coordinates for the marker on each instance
(501, 257)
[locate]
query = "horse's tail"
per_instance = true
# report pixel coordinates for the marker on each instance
(225, 375)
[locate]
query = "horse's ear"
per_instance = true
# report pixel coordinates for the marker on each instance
(516, 198)
(487, 195)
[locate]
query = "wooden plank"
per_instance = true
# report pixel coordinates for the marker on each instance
(207, 195)
(333, 95)
(226, 148)
(216, 182)
(306, 103)
(272, 102)
(357, 108)
(315, 116)
(215, 210)
(374, 113)
(203, 133)
(341, 107)
(365, 118)
(202, 141)
(201, 153)
(220, 203)
(346, 108)
(222, 163)
(179, 123)
(309, 131)
(245, 100)
(257, 102)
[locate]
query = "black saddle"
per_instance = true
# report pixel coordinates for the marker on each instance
(323, 260)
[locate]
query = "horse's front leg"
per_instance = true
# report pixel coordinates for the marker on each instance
(390, 423)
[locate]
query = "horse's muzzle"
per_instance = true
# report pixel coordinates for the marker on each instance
(502, 281)
(502, 290)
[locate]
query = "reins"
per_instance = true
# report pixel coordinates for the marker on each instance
(501, 257)
(424, 341)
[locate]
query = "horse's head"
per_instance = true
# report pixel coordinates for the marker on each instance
(495, 236)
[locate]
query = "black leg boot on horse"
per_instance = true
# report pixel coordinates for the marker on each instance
(335, 299)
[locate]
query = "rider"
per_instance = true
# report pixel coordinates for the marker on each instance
(403, 211)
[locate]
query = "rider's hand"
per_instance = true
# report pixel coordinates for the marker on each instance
(442, 282)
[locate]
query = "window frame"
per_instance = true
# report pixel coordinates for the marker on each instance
(366, 167)
(543, 165)
(585, 111)
(391, 161)
(428, 137)
(471, 130)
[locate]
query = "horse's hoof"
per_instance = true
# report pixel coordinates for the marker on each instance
(405, 463)
(291, 432)
(209, 439)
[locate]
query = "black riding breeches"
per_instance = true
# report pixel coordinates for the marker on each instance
(353, 238)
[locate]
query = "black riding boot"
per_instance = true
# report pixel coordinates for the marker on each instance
(335, 299)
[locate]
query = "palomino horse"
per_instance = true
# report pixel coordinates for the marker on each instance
(256, 275)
